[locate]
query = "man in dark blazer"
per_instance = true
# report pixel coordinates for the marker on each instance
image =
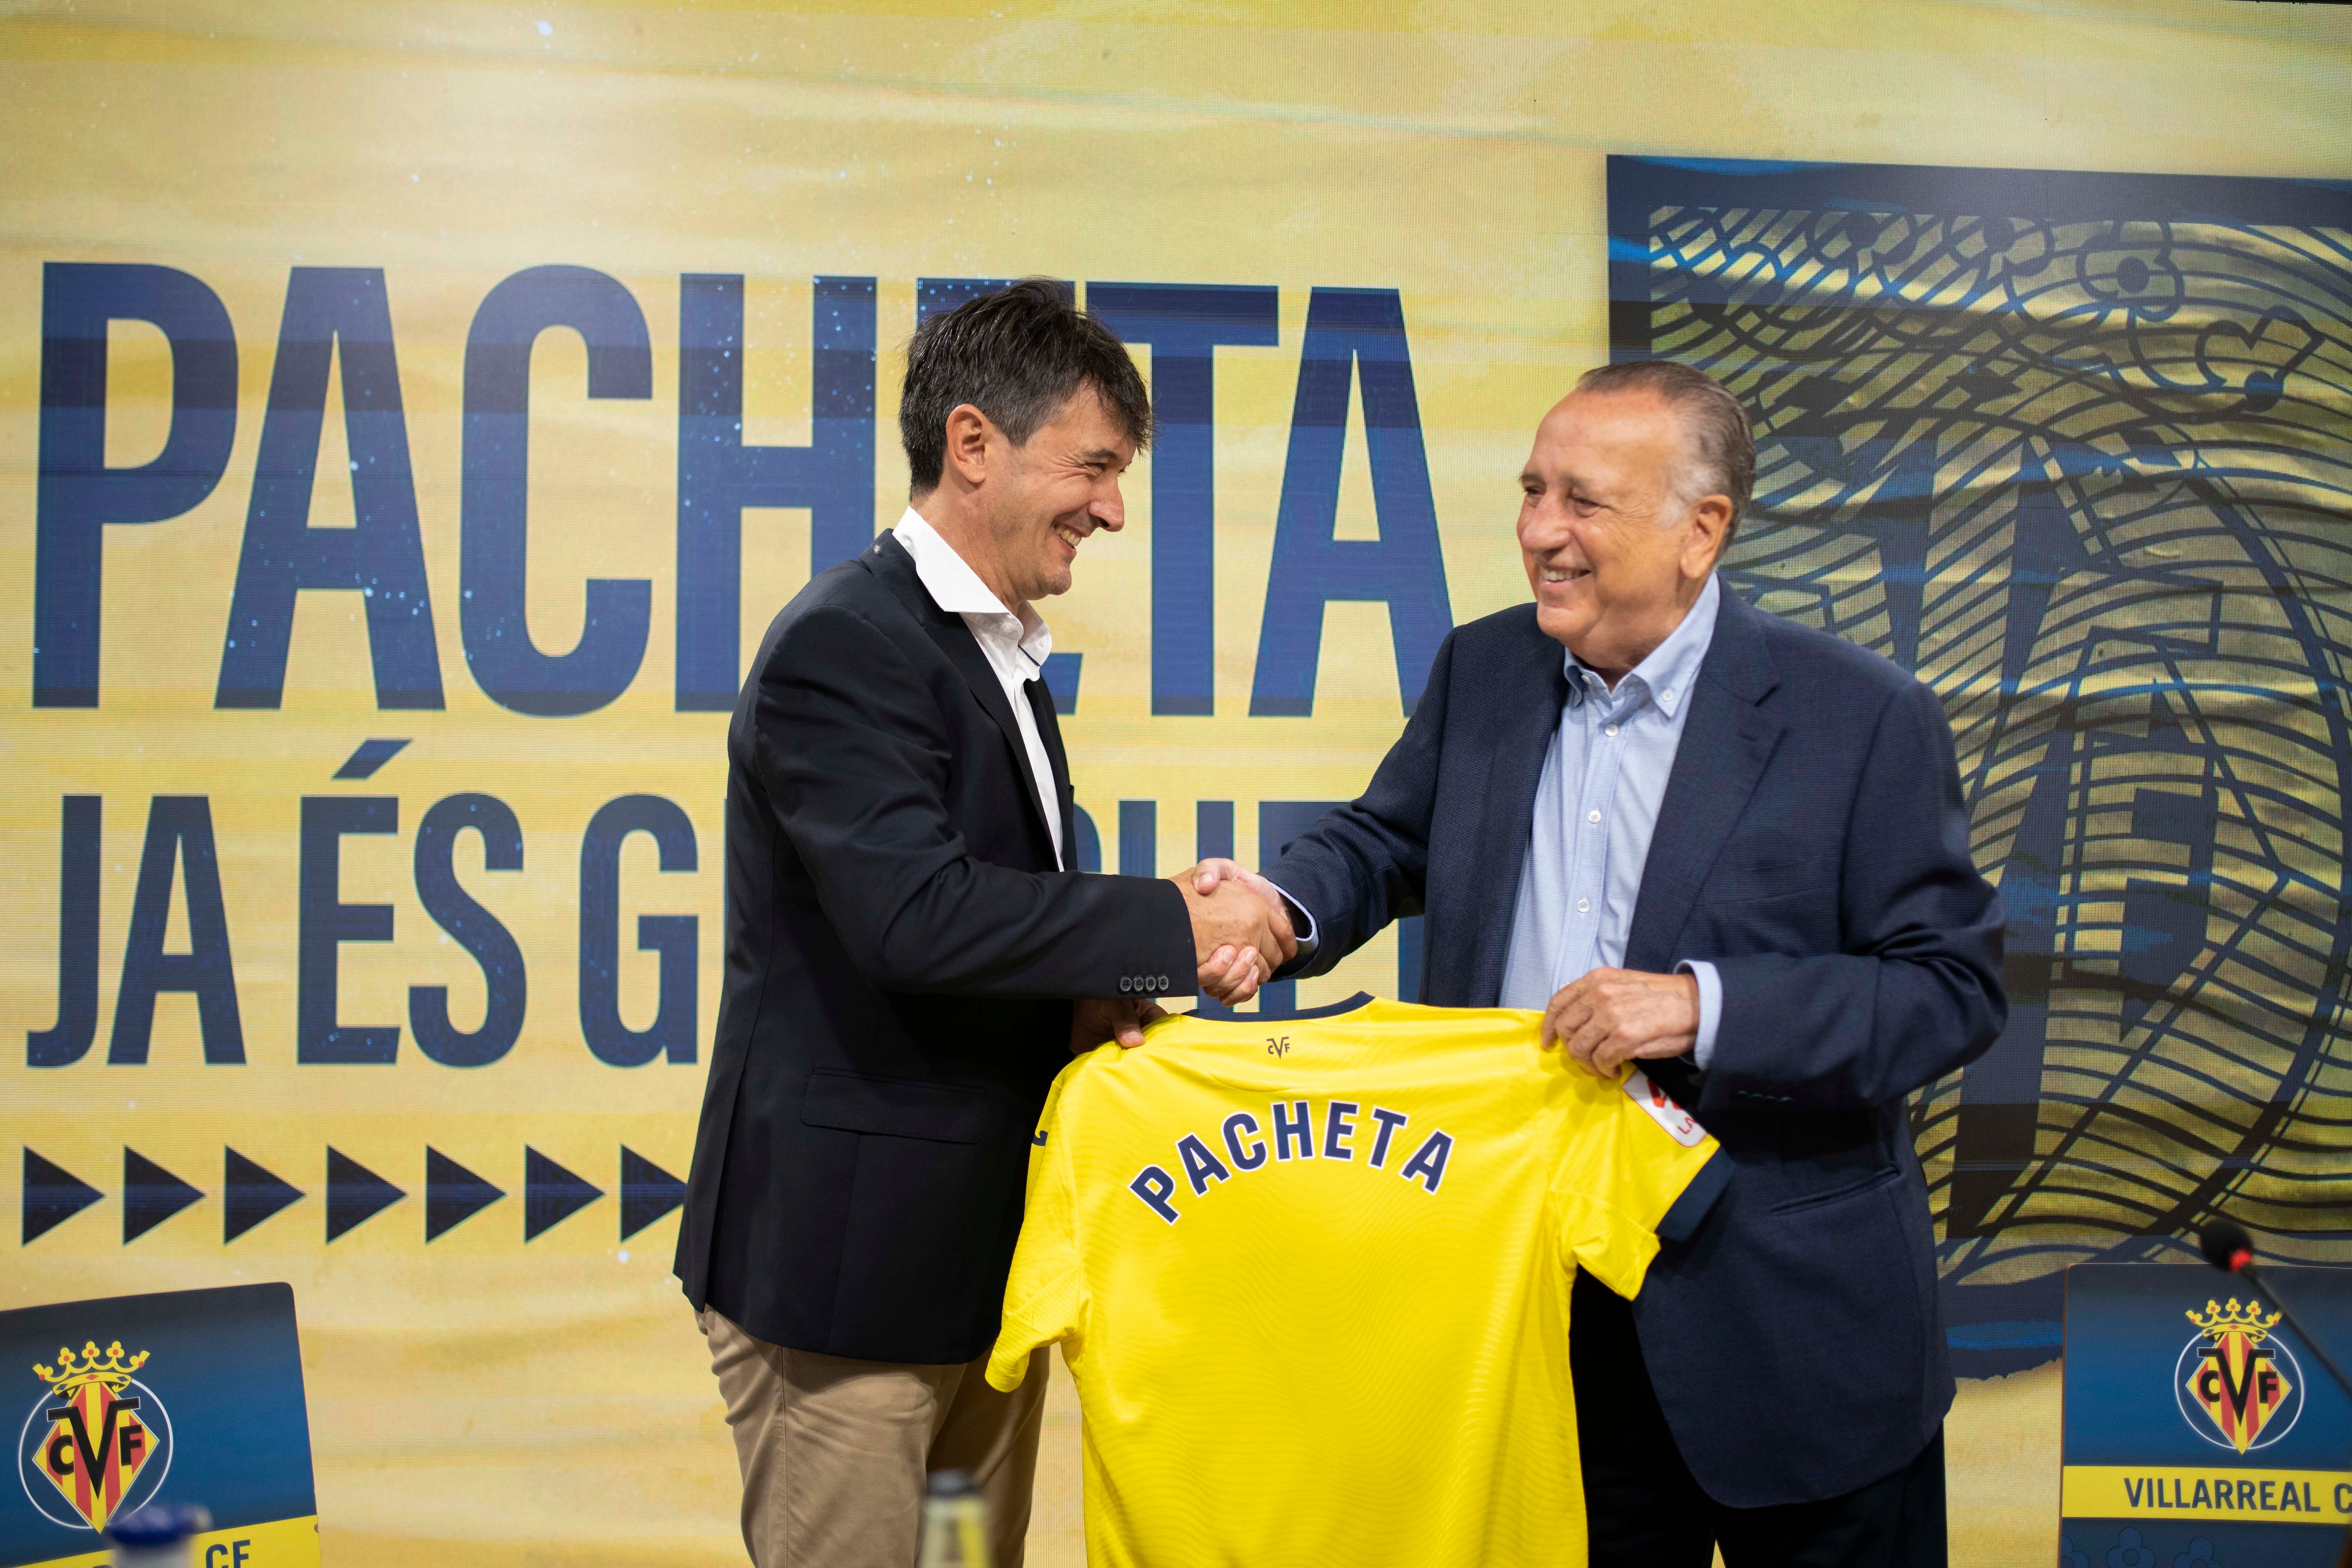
(905, 935)
(1732, 849)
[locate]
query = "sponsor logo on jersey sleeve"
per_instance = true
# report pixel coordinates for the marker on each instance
(1678, 1123)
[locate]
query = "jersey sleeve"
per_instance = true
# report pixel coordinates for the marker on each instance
(1637, 1169)
(1045, 1294)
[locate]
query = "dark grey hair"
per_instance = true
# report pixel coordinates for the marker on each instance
(1719, 447)
(1018, 355)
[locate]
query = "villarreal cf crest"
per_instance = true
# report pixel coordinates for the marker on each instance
(98, 1437)
(2238, 1386)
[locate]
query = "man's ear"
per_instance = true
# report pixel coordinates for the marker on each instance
(968, 438)
(1710, 525)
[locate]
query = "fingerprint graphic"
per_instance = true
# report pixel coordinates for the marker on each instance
(2078, 451)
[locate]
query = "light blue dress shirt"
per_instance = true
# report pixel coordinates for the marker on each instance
(1596, 810)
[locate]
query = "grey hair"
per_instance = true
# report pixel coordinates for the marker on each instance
(1719, 445)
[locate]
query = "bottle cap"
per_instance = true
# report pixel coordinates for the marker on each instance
(953, 1483)
(159, 1524)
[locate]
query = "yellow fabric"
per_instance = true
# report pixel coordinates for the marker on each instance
(1320, 1359)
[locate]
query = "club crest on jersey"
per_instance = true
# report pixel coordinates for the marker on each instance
(96, 1436)
(2237, 1386)
(1241, 1144)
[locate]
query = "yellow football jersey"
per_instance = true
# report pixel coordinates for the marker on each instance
(1312, 1279)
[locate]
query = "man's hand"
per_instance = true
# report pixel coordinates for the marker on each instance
(1094, 1020)
(1240, 936)
(1613, 1017)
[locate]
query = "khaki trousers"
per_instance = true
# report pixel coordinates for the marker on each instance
(834, 1452)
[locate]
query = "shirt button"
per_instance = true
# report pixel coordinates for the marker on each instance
(1669, 694)
(1610, 731)
(1592, 815)
(1584, 906)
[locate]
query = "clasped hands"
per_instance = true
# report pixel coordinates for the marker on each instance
(1241, 935)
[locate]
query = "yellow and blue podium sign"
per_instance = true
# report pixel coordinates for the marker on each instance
(2199, 1428)
(191, 1396)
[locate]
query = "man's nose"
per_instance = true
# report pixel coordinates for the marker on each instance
(1110, 509)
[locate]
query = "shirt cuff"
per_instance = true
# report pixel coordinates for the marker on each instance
(1302, 926)
(1710, 1007)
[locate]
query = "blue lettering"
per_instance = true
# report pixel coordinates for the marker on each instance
(2343, 1497)
(1247, 1157)
(1428, 1163)
(2131, 1491)
(1351, 332)
(1286, 1130)
(1389, 1120)
(675, 937)
(493, 501)
(506, 986)
(179, 838)
(327, 922)
(69, 1039)
(1185, 324)
(2268, 1501)
(2288, 1502)
(1338, 1129)
(1139, 839)
(77, 495)
(2200, 1498)
(1200, 1167)
(1155, 1187)
(719, 476)
(382, 558)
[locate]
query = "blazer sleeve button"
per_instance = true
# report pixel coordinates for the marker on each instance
(1127, 983)
(1163, 982)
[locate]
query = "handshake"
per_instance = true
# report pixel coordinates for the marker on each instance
(1241, 928)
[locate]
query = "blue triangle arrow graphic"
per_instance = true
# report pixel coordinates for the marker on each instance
(452, 1194)
(355, 1195)
(53, 1194)
(647, 1192)
(250, 1194)
(151, 1194)
(550, 1194)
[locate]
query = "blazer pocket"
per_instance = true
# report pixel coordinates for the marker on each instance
(1868, 1184)
(1819, 893)
(896, 1108)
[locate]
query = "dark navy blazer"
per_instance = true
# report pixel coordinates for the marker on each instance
(1813, 845)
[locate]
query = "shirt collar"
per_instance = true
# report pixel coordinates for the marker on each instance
(1667, 675)
(956, 588)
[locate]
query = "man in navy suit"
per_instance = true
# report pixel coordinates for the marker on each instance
(1732, 849)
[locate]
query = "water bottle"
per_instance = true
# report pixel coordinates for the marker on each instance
(955, 1523)
(160, 1535)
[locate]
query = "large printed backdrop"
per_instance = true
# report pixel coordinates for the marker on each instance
(410, 416)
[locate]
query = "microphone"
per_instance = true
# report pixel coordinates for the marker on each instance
(2226, 1246)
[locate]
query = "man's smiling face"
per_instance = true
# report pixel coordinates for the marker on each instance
(1059, 486)
(1602, 529)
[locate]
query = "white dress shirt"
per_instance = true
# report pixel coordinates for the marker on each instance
(1604, 777)
(1016, 646)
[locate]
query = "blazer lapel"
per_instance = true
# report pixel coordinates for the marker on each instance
(1726, 742)
(896, 568)
(1534, 689)
(1049, 729)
